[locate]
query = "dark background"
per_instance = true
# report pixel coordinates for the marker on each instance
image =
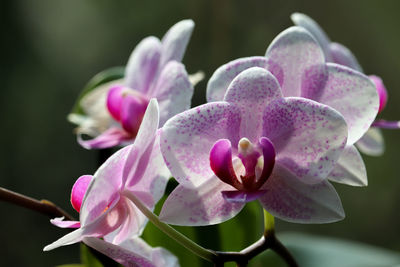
(50, 49)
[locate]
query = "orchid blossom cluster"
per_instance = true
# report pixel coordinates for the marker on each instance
(277, 129)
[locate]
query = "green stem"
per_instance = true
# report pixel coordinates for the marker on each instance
(171, 232)
(269, 224)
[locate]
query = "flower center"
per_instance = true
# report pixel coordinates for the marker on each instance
(257, 160)
(127, 106)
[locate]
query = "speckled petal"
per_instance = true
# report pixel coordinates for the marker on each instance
(187, 138)
(352, 94)
(372, 143)
(143, 64)
(350, 169)
(310, 25)
(175, 41)
(294, 57)
(119, 254)
(343, 56)
(251, 91)
(203, 205)
(289, 199)
(308, 136)
(223, 76)
(173, 90)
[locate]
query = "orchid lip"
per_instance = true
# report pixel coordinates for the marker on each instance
(258, 162)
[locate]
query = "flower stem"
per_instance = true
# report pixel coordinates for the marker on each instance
(269, 224)
(43, 206)
(171, 232)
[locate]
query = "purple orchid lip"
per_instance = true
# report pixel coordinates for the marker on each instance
(257, 168)
(78, 191)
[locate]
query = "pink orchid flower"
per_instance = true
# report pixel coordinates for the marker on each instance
(255, 144)
(372, 143)
(105, 211)
(153, 71)
(297, 61)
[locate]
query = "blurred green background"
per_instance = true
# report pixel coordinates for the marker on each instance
(51, 48)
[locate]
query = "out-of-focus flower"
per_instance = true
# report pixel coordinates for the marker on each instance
(255, 144)
(372, 143)
(114, 111)
(297, 61)
(105, 212)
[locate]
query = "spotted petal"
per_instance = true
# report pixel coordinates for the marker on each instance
(310, 25)
(223, 76)
(187, 138)
(372, 143)
(294, 57)
(202, 205)
(251, 91)
(350, 168)
(291, 200)
(308, 136)
(352, 94)
(343, 56)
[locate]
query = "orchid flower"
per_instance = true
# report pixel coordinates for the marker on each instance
(102, 201)
(372, 143)
(255, 144)
(298, 63)
(115, 110)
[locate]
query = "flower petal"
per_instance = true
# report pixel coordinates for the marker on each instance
(310, 25)
(187, 138)
(372, 143)
(343, 56)
(173, 90)
(352, 94)
(175, 41)
(381, 89)
(223, 76)
(291, 200)
(202, 205)
(59, 222)
(138, 157)
(71, 238)
(112, 137)
(308, 136)
(119, 254)
(143, 64)
(251, 91)
(78, 191)
(114, 101)
(293, 57)
(350, 169)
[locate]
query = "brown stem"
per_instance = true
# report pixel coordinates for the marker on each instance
(43, 206)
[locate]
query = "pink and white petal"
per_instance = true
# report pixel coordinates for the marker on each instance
(343, 56)
(119, 254)
(187, 138)
(59, 222)
(71, 238)
(316, 31)
(294, 57)
(173, 90)
(224, 75)
(251, 91)
(163, 258)
(175, 41)
(112, 137)
(79, 190)
(350, 168)
(352, 94)
(308, 136)
(156, 174)
(372, 143)
(236, 196)
(104, 188)
(381, 89)
(291, 200)
(202, 205)
(141, 148)
(143, 64)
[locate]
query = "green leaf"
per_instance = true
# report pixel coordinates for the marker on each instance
(103, 77)
(87, 258)
(316, 251)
